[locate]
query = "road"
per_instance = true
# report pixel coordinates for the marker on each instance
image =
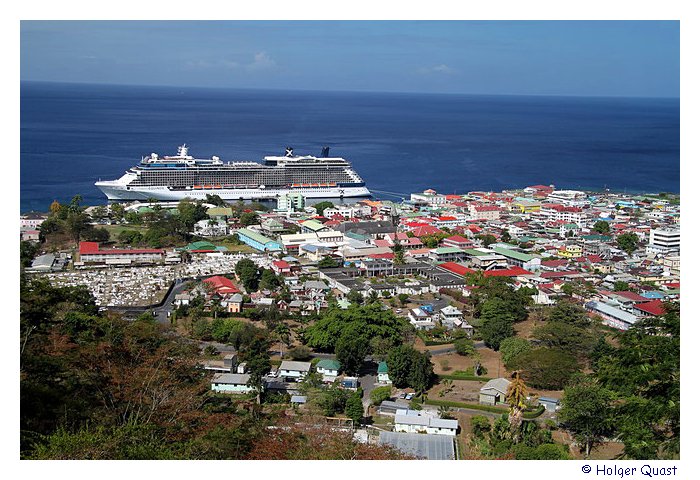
(446, 350)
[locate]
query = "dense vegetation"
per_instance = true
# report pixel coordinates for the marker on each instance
(95, 386)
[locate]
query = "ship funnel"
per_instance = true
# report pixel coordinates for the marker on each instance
(289, 152)
(325, 151)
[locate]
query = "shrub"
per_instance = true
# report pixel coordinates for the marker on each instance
(380, 394)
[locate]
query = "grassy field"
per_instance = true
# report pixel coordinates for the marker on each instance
(115, 230)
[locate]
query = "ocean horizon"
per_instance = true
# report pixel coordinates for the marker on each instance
(75, 134)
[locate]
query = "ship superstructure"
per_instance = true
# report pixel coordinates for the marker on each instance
(182, 176)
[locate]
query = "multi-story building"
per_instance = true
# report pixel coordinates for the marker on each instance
(664, 240)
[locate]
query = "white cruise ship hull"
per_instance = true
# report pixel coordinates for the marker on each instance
(115, 190)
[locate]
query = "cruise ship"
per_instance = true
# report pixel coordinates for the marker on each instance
(183, 176)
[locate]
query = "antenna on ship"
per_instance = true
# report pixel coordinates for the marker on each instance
(289, 152)
(325, 151)
(182, 150)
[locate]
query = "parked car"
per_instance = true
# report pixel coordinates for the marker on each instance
(410, 396)
(402, 395)
(398, 310)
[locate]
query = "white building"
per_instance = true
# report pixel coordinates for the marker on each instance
(290, 202)
(348, 211)
(293, 370)
(664, 240)
(411, 421)
(431, 197)
(211, 228)
(449, 315)
(231, 383)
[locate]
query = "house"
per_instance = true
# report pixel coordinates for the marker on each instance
(258, 241)
(350, 383)
(281, 267)
(449, 315)
(612, 316)
(447, 254)
(211, 228)
(388, 407)
(183, 298)
(549, 404)
(429, 447)
(494, 391)
(329, 369)
(221, 285)
(233, 303)
(29, 235)
(291, 371)
(231, 383)
(383, 373)
(420, 319)
(411, 421)
(90, 252)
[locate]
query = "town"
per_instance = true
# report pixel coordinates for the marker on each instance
(443, 326)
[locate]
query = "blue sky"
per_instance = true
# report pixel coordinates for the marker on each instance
(606, 58)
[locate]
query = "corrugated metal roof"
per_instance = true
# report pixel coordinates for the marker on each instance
(431, 447)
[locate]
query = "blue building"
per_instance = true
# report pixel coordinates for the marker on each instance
(258, 241)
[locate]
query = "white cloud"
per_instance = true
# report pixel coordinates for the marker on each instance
(261, 61)
(438, 69)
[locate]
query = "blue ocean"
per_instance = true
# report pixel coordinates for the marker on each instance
(73, 135)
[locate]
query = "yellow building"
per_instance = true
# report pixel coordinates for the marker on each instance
(571, 251)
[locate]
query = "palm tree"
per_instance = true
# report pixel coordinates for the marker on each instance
(445, 412)
(516, 397)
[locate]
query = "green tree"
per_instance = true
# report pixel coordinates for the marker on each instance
(621, 286)
(505, 236)
(27, 252)
(465, 347)
(249, 218)
(547, 368)
(602, 227)
(511, 348)
(644, 373)
(628, 242)
(587, 412)
(480, 426)
(403, 298)
(215, 200)
(190, 213)
(565, 337)
(399, 252)
(350, 351)
(269, 281)
(249, 274)
(354, 408)
(355, 297)
(328, 262)
(77, 223)
(487, 239)
(332, 400)
(321, 206)
(410, 368)
(567, 312)
(300, 353)
(116, 212)
(497, 322)
(380, 394)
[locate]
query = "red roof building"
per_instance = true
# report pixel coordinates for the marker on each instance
(222, 285)
(425, 230)
(455, 268)
(507, 272)
(90, 252)
(653, 308)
